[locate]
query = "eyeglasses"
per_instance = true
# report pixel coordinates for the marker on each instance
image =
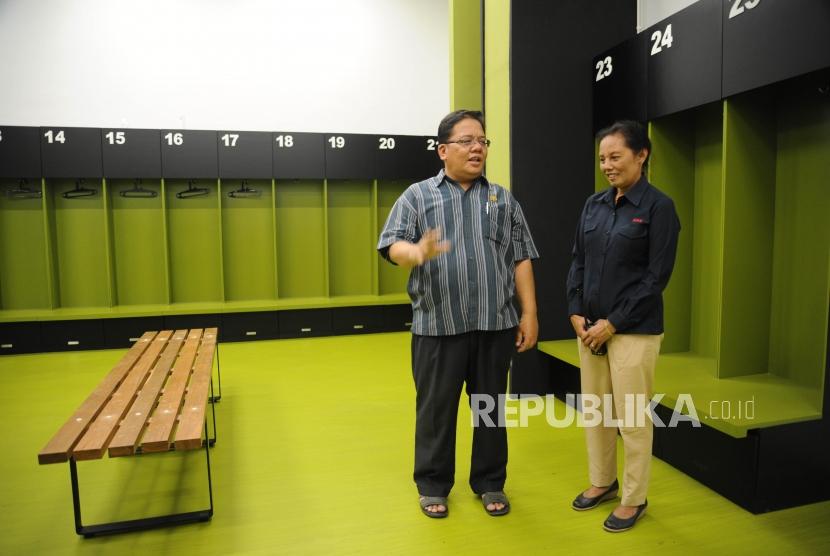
(467, 142)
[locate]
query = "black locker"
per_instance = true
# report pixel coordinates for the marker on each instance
(428, 162)
(772, 40)
(72, 335)
(397, 317)
(19, 152)
(620, 83)
(131, 153)
(298, 155)
(181, 322)
(307, 322)
(398, 156)
(244, 154)
(19, 337)
(71, 152)
(350, 156)
(357, 320)
(684, 59)
(189, 154)
(241, 327)
(123, 333)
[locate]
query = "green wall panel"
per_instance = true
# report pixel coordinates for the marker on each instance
(391, 278)
(301, 238)
(707, 230)
(138, 242)
(686, 165)
(194, 238)
(23, 251)
(671, 169)
(79, 236)
(248, 250)
(749, 196)
(350, 237)
(801, 267)
(600, 181)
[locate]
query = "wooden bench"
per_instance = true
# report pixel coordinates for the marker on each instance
(154, 400)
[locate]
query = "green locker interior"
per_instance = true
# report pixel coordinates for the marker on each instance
(300, 243)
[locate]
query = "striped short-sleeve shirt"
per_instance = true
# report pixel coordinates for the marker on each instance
(472, 286)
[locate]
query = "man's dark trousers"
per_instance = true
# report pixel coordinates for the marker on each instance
(440, 366)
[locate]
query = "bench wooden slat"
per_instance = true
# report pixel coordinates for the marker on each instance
(126, 438)
(60, 446)
(94, 442)
(191, 423)
(157, 438)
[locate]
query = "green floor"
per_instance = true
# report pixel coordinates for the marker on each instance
(314, 457)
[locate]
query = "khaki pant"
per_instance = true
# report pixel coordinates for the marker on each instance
(627, 369)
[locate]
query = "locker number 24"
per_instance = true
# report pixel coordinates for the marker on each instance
(662, 39)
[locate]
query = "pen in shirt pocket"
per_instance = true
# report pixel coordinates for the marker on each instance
(491, 199)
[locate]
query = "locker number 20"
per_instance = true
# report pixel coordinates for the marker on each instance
(386, 143)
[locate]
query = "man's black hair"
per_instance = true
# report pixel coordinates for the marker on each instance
(449, 121)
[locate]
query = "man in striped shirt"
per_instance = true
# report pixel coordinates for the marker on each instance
(470, 251)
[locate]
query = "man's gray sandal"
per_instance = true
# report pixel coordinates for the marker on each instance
(427, 501)
(495, 498)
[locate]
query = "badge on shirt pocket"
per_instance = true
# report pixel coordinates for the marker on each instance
(497, 229)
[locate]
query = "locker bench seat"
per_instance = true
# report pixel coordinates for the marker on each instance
(777, 400)
(154, 400)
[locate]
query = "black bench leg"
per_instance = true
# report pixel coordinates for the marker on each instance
(138, 524)
(214, 399)
(210, 440)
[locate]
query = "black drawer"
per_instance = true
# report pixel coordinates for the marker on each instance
(357, 320)
(725, 464)
(397, 317)
(72, 335)
(19, 337)
(310, 322)
(182, 322)
(122, 333)
(241, 327)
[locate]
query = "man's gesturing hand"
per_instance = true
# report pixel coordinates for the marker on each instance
(430, 246)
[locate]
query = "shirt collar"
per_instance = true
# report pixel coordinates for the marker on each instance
(443, 178)
(633, 195)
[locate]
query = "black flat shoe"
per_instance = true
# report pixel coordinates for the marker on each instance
(616, 525)
(582, 503)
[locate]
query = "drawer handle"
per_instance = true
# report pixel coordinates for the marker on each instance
(6, 346)
(305, 329)
(251, 333)
(358, 327)
(134, 339)
(73, 343)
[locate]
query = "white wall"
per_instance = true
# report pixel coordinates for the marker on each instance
(650, 12)
(359, 66)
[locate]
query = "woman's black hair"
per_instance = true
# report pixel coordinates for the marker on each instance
(449, 121)
(633, 132)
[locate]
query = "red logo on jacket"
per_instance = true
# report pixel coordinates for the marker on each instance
(637, 220)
